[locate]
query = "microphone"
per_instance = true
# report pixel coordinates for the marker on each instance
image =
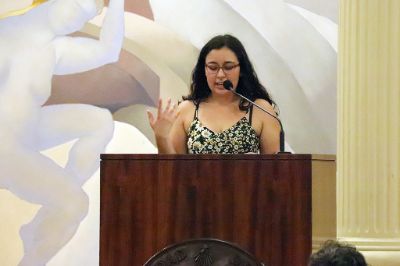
(229, 86)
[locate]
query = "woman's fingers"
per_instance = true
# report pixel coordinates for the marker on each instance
(164, 113)
(167, 108)
(159, 109)
(165, 118)
(151, 117)
(174, 109)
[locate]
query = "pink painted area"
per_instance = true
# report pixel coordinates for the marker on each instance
(140, 7)
(113, 86)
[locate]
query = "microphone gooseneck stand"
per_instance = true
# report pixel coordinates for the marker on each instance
(229, 86)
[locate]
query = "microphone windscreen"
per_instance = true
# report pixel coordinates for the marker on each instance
(228, 85)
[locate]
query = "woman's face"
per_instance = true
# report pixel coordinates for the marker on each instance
(221, 64)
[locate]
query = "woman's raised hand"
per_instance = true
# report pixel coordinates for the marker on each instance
(162, 124)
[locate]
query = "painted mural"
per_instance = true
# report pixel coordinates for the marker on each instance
(68, 93)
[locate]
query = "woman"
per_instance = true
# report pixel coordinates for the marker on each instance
(212, 119)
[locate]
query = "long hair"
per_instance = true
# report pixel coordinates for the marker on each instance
(249, 85)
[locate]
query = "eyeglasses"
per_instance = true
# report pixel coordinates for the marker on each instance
(227, 68)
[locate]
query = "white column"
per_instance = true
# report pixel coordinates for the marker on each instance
(368, 159)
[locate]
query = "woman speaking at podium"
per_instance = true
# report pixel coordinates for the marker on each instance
(213, 118)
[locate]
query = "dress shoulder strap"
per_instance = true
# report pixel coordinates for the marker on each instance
(250, 114)
(196, 111)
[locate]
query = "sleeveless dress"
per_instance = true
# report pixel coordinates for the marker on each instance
(238, 139)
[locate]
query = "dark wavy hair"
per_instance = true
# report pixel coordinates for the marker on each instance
(249, 85)
(334, 253)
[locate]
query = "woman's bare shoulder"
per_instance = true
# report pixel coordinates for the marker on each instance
(186, 110)
(266, 105)
(186, 106)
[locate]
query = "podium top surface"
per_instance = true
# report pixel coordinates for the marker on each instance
(206, 156)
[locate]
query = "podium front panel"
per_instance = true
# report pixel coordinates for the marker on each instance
(262, 203)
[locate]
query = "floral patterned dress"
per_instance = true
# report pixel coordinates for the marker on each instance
(239, 139)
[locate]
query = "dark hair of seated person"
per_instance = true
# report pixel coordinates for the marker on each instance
(334, 253)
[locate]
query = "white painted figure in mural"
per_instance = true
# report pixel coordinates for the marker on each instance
(33, 47)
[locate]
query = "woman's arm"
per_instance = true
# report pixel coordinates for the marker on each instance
(270, 128)
(78, 54)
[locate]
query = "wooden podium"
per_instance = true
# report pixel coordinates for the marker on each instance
(260, 202)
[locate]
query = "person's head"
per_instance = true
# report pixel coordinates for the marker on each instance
(224, 58)
(68, 16)
(333, 253)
